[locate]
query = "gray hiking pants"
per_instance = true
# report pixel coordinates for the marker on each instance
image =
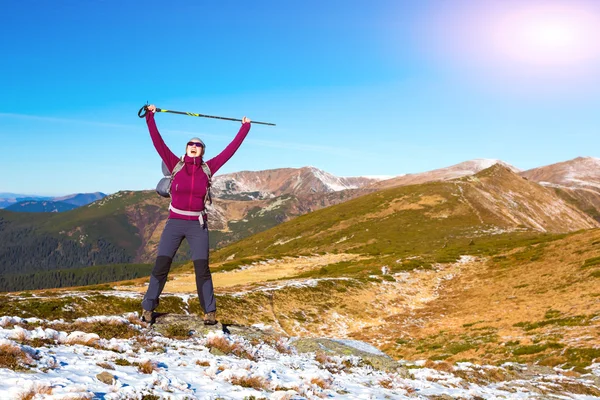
(170, 240)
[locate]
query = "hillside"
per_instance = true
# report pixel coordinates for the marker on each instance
(465, 168)
(125, 227)
(40, 206)
(486, 269)
(535, 302)
(577, 181)
(80, 199)
(438, 219)
(472, 269)
(581, 172)
(299, 182)
(519, 297)
(7, 199)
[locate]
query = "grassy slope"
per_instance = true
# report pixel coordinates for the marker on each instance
(435, 222)
(538, 303)
(585, 199)
(104, 219)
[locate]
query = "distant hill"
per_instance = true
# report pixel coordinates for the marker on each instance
(466, 168)
(77, 199)
(80, 199)
(40, 206)
(7, 199)
(256, 185)
(580, 172)
(577, 181)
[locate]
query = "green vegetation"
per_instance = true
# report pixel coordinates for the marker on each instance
(406, 228)
(123, 362)
(74, 277)
(257, 220)
(444, 345)
(102, 329)
(576, 320)
(81, 305)
(535, 348)
(532, 252)
(590, 262)
(26, 248)
(579, 358)
(177, 331)
(552, 314)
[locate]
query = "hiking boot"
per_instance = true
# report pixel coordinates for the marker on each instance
(210, 318)
(147, 316)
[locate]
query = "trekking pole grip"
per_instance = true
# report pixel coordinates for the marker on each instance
(144, 109)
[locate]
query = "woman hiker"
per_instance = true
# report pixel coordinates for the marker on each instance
(187, 217)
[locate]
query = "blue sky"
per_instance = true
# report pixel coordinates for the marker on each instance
(355, 87)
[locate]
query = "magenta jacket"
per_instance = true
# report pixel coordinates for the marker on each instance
(189, 185)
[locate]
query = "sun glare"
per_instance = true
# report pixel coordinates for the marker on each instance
(533, 39)
(545, 35)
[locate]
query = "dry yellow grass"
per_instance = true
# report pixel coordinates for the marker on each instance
(147, 367)
(84, 340)
(496, 297)
(320, 383)
(255, 382)
(386, 383)
(105, 365)
(228, 347)
(13, 357)
(439, 366)
(36, 389)
(286, 267)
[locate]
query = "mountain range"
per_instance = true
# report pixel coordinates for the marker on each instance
(577, 181)
(32, 203)
(125, 227)
(40, 206)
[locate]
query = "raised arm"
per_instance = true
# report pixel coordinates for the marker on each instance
(217, 162)
(164, 152)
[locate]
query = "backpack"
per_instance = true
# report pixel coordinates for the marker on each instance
(163, 188)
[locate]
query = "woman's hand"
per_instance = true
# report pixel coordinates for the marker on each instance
(152, 108)
(245, 120)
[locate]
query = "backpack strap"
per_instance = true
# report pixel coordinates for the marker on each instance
(208, 173)
(178, 167)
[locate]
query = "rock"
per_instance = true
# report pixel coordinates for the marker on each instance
(375, 358)
(531, 371)
(192, 323)
(106, 377)
(166, 324)
(195, 324)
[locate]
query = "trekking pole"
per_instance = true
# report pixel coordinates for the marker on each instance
(144, 110)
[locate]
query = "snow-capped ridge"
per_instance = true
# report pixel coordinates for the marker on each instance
(580, 172)
(276, 182)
